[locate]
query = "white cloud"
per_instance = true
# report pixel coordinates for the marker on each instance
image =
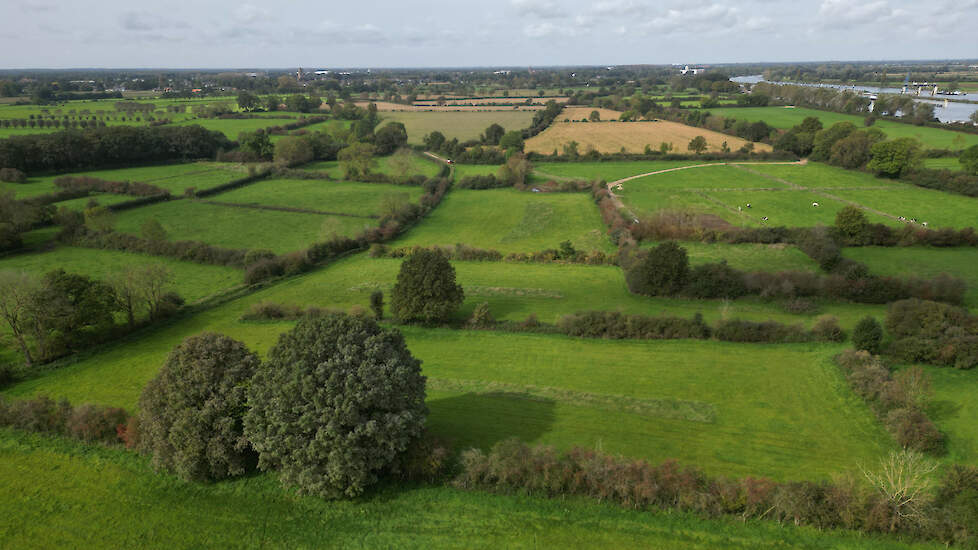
(844, 13)
(540, 30)
(543, 9)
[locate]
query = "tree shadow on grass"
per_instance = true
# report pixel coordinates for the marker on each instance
(483, 419)
(943, 410)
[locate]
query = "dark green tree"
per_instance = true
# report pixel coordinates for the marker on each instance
(338, 400)
(390, 138)
(851, 221)
(697, 144)
(512, 141)
(867, 335)
(377, 304)
(493, 134)
(257, 143)
(426, 288)
(894, 158)
(191, 415)
(969, 160)
(662, 271)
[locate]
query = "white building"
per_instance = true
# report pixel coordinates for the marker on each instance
(694, 70)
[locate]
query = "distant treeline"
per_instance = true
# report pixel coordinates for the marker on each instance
(111, 146)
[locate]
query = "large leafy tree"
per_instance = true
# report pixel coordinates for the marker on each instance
(191, 414)
(894, 158)
(426, 289)
(337, 402)
(390, 138)
(662, 271)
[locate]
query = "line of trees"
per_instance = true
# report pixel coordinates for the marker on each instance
(63, 312)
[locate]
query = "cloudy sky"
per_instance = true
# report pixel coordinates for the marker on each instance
(415, 33)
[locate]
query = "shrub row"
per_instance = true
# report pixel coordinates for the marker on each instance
(944, 180)
(89, 184)
(619, 228)
(233, 184)
(899, 401)
(514, 467)
(595, 156)
(192, 251)
(461, 252)
(88, 423)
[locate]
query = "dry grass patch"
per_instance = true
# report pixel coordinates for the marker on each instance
(578, 113)
(611, 137)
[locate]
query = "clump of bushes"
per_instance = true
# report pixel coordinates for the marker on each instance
(12, 175)
(89, 184)
(88, 423)
(738, 330)
(463, 252)
(933, 332)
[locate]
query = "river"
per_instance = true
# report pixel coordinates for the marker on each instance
(949, 111)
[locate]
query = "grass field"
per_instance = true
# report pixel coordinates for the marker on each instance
(191, 280)
(361, 199)
(953, 408)
(231, 127)
(65, 495)
(172, 177)
(462, 125)
(465, 170)
(785, 193)
(238, 227)
(922, 262)
(748, 256)
(786, 117)
(943, 164)
(607, 171)
(419, 165)
(512, 221)
(513, 292)
(611, 137)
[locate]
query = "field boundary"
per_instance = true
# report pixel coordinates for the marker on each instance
(256, 206)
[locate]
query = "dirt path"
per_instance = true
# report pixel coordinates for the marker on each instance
(443, 160)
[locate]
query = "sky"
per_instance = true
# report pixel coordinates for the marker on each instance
(464, 33)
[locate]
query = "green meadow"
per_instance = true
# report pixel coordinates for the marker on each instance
(191, 280)
(66, 495)
(359, 199)
(949, 163)
(922, 262)
(419, 165)
(512, 221)
(238, 226)
(231, 127)
(786, 117)
(607, 171)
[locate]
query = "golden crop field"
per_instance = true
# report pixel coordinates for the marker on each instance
(611, 137)
(578, 113)
(489, 100)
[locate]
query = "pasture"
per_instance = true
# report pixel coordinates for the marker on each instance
(173, 177)
(785, 193)
(192, 281)
(512, 221)
(62, 494)
(607, 171)
(513, 291)
(420, 164)
(786, 117)
(231, 127)
(355, 199)
(612, 137)
(239, 227)
(462, 125)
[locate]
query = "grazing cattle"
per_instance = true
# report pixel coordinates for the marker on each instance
(913, 220)
(815, 204)
(748, 205)
(739, 209)
(902, 219)
(764, 219)
(923, 224)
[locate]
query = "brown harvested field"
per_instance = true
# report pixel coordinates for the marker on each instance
(464, 125)
(578, 113)
(387, 107)
(610, 137)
